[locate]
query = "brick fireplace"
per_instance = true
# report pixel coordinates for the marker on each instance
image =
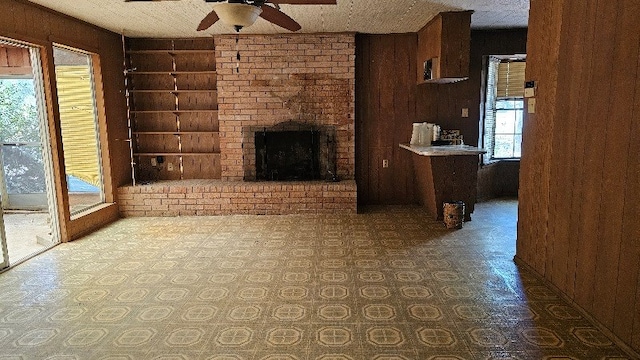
(281, 82)
(308, 80)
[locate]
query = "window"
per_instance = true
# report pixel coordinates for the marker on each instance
(78, 121)
(504, 108)
(508, 129)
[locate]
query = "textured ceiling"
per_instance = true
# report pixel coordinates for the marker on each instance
(180, 18)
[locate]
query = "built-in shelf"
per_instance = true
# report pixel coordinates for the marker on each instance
(178, 154)
(170, 73)
(173, 132)
(173, 91)
(172, 51)
(172, 111)
(163, 84)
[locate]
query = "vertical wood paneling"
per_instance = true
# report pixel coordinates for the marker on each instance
(578, 114)
(385, 50)
(14, 61)
(617, 141)
(363, 95)
(630, 246)
(562, 208)
(599, 98)
(405, 108)
(386, 108)
(585, 239)
(542, 45)
(626, 299)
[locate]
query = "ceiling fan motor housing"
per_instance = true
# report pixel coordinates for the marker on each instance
(238, 15)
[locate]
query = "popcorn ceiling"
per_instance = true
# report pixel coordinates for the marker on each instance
(170, 19)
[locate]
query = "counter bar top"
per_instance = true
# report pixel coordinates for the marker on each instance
(444, 150)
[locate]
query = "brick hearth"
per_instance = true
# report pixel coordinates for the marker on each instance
(211, 197)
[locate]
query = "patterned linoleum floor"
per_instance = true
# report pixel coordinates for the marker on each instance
(386, 285)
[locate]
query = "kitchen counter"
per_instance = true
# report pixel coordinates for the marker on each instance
(444, 150)
(446, 173)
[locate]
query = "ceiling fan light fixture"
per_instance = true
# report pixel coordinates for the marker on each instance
(237, 15)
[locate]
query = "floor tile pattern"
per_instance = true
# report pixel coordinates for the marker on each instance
(388, 284)
(27, 232)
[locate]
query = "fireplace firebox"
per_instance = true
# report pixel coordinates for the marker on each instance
(287, 155)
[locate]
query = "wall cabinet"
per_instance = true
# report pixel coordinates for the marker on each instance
(171, 88)
(443, 48)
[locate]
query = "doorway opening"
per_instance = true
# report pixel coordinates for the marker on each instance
(28, 220)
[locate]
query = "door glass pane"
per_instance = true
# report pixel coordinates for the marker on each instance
(76, 100)
(23, 169)
(4, 255)
(22, 164)
(18, 111)
(20, 134)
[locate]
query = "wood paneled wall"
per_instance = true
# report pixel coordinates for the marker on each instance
(388, 102)
(14, 61)
(41, 27)
(385, 112)
(580, 171)
(498, 179)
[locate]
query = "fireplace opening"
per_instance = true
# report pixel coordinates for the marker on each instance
(287, 155)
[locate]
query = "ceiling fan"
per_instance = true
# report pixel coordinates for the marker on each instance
(243, 13)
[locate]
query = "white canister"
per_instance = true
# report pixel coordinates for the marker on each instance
(416, 135)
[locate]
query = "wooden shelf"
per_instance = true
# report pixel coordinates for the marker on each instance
(173, 91)
(177, 154)
(172, 111)
(172, 52)
(173, 132)
(166, 98)
(170, 73)
(193, 72)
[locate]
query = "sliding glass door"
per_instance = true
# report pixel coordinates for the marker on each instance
(28, 216)
(4, 254)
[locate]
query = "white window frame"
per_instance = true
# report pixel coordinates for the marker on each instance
(489, 119)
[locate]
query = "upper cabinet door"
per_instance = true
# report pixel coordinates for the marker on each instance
(443, 48)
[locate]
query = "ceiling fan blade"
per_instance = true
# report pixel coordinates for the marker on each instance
(208, 20)
(304, 2)
(279, 18)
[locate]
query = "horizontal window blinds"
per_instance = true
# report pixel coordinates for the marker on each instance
(78, 123)
(511, 79)
(490, 109)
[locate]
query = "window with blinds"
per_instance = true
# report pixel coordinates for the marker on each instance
(504, 104)
(510, 81)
